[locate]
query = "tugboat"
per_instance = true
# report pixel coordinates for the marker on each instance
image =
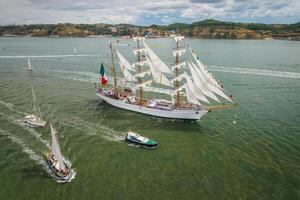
(140, 140)
(56, 161)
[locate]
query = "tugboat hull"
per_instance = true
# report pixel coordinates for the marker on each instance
(141, 144)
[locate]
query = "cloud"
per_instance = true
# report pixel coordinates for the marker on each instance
(147, 11)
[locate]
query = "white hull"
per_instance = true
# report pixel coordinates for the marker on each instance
(34, 121)
(171, 114)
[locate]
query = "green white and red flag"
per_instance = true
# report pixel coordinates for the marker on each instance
(103, 78)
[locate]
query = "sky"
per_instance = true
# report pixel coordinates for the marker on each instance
(147, 12)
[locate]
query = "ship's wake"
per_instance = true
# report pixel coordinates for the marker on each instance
(16, 119)
(50, 56)
(92, 129)
(260, 72)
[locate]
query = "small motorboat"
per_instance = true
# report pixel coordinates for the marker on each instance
(135, 138)
(56, 161)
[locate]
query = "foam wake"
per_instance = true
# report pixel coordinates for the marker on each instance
(50, 56)
(260, 72)
(31, 153)
(17, 121)
(92, 129)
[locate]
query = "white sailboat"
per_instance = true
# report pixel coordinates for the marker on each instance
(189, 95)
(56, 160)
(35, 120)
(28, 66)
(74, 51)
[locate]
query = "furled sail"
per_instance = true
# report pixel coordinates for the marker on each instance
(142, 74)
(178, 78)
(201, 84)
(157, 75)
(178, 52)
(180, 65)
(55, 148)
(141, 50)
(157, 62)
(138, 39)
(141, 85)
(178, 38)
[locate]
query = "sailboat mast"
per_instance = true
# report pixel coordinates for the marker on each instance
(113, 65)
(176, 74)
(36, 105)
(139, 69)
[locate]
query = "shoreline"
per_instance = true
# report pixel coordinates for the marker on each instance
(160, 37)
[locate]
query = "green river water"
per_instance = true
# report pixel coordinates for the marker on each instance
(256, 158)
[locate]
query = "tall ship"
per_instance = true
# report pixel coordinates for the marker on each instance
(184, 89)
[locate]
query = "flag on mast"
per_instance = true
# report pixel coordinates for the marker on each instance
(103, 75)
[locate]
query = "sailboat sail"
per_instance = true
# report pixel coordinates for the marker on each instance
(187, 93)
(36, 107)
(157, 75)
(157, 62)
(55, 149)
(209, 79)
(124, 63)
(201, 84)
(194, 91)
(125, 67)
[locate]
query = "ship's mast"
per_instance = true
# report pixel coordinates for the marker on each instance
(139, 69)
(113, 65)
(176, 74)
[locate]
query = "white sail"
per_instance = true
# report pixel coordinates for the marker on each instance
(201, 84)
(55, 149)
(123, 62)
(28, 66)
(209, 77)
(141, 50)
(210, 84)
(178, 52)
(191, 98)
(157, 75)
(141, 85)
(140, 63)
(74, 51)
(157, 62)
(194, 91)
(178, 78)
(127, 75)
(28, 63)
(138, 39)
(36, 105)
(178, 89)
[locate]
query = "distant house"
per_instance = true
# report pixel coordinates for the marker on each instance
(113, 29)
